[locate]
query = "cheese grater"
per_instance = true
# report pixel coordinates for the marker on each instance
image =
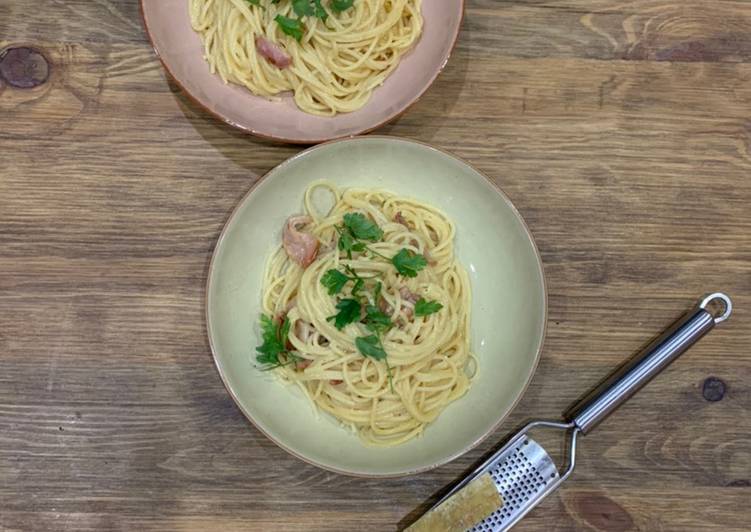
(523, 471)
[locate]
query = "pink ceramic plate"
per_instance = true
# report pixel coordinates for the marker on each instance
(181, 51)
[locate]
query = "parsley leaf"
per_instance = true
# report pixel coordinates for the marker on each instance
(408, 263)
(302, 8)
(362, 228)
(376, 320)
(334, 281)
(254, 2)
(309, 8)
(377, 292)
(356, 227)
(320, 11)
(359, 283)
(423, 307)
(274, 342)
(370, 346)
(290, 26)
(341, 5)
(348, 243)
(349, 312)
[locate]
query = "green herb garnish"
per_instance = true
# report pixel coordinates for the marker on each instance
(341, 5)
(274, 343)
(309, 8)
(349, 312)
(362, 228)
(291, 26)
(376, 320)
(408, 263)
(424, 307)
(303, 8)
(334, 281)
(320, 12)
(359, 284)
(355, 228)
(377, 292)
(348, 243)
(370, 346)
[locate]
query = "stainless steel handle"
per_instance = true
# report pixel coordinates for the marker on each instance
(652, 360)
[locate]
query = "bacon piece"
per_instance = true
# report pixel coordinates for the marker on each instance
(384, 306)
(300, 247)
(300, 365)
(407, 295)
(334, 382)
(398, 218)
(273, 53)
(429, 258)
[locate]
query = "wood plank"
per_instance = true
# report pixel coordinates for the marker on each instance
(619, 129)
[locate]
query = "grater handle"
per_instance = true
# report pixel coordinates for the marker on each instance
(587, 414)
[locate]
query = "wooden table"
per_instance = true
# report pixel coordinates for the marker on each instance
(622, 132)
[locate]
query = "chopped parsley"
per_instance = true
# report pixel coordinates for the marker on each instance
(334, 281)
(408, 263)
(370, 346)
(349, 312)
(354, 229)
(294, 27)
(376, 320)
(348, 243)
(273, 352)
(341, 5)
(303, 8)
(359, 284)
(361, 228)
(424, 307)
(291, 26)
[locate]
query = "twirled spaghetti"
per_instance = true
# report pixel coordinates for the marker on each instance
(427, 351)
(340, 58)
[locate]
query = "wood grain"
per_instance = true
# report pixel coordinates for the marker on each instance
(622, 132)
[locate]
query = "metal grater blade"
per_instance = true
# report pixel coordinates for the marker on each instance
(523, 474)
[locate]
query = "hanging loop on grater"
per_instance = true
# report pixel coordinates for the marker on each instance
(726, 303)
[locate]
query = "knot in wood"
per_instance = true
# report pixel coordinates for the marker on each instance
(23, 67)
(713, 389)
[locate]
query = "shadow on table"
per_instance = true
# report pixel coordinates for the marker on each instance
(434, 109)
(243, 149)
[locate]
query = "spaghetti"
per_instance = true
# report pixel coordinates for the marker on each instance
(415, 311)
(339, 59)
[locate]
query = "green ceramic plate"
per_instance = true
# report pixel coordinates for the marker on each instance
(493, 243)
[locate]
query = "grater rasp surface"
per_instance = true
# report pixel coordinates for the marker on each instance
(523, 474)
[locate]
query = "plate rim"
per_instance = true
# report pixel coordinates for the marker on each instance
(291, 140)
(468, 447)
